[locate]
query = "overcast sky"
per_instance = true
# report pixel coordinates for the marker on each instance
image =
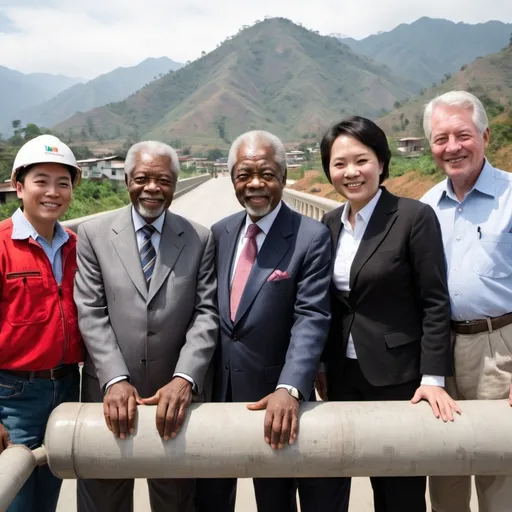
(62, 36)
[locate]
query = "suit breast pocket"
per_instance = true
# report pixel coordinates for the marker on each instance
(280, 286)
(386, 255)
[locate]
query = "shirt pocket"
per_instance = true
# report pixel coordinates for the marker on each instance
(491, 255)
(24, 298)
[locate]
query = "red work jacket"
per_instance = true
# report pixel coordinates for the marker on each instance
(38, 317)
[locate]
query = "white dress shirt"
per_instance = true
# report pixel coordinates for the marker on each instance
(348, 244)
(265, 223)
(158, 224)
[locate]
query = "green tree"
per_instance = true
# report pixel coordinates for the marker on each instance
(90, 126)
(82, 152)
(16, 139)
(31, 131)
(213, 154)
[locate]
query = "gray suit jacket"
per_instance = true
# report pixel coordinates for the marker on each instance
(130, 330)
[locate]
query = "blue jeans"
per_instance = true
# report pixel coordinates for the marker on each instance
(25, 406)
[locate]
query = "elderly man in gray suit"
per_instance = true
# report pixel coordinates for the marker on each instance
(146, 297)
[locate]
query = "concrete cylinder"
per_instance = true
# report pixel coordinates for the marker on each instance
(16, 464)
(335, 439)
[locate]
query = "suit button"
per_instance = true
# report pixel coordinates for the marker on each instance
(226, 367)
(151, 333)
(234, 337)
(143, 361)
(151, 307)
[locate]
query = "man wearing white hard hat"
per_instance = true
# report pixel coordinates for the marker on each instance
(40, 343)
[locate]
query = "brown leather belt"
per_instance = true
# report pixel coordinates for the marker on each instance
(478, 326)
(54, 374)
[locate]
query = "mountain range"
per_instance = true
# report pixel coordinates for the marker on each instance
(21, 90)
(274, 75)
(427, 49)
(489, 78)
(46, 99)
(110, 87)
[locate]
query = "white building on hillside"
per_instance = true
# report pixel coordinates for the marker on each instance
(110, 167)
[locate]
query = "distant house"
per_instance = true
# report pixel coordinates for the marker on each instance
(110, 167)
(411, 146)
(7, 193)
(294, 159)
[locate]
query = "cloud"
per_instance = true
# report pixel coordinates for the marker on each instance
(6, 25)
(58, 36)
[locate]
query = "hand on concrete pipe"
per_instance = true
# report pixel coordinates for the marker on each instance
(321, 385)
(281, 423)
(172, 401)
(120, 408)
(5, 440)
(441, 402)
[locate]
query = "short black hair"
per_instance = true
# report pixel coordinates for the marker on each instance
(21, 175)
(363, 130)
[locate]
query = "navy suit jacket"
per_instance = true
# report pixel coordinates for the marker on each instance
(281, 326)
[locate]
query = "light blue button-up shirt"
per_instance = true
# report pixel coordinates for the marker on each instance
(477, 236)
(22, 229)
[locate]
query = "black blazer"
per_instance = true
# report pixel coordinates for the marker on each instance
(398, 309)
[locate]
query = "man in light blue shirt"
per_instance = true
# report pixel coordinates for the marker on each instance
(474, 207)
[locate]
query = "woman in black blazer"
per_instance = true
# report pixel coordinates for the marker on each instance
(390, 333)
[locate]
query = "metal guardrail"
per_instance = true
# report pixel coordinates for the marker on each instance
(308, 204)
(182, 187)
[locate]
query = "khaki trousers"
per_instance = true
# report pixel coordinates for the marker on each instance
(483, 371)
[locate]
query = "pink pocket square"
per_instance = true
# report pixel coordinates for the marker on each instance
(278, 275)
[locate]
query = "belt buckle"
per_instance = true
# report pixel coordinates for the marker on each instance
(54, 373)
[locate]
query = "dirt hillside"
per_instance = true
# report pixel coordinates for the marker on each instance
(412, 185)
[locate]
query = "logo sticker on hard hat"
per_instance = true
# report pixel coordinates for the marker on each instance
(52, 149)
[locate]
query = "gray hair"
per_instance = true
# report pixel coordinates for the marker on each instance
(151, 148)
(252, 138)
(462, 99)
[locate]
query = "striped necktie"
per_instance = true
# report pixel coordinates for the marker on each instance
(147, 252)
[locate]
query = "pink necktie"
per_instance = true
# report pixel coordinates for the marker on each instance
(243, 268)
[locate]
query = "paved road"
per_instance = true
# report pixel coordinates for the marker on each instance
(207, 204)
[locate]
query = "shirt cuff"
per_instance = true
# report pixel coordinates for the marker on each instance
(432, 380)
(114, 381)
(186, 377)
(292, 390)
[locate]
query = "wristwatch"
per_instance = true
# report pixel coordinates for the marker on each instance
(294, 392)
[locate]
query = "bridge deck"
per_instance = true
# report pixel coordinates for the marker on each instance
(207, 204)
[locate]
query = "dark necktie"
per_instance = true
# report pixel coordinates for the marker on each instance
(147, 253)
(243, 268)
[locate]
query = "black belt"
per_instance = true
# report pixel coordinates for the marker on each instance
(478, 326)
(54, 374)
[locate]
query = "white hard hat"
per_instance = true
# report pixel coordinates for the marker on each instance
(44, 149)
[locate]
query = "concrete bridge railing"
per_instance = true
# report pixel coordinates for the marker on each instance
(226, 440)
(308, 204)
(182, 187)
